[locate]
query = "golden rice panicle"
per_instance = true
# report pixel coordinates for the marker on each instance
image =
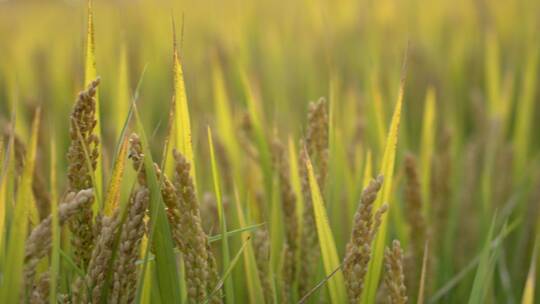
(199, 262)
(168, 192)
(288, 274)
(40, 292)
(394, 279)
(125, 276)
(39, 241)
(167, 189)
(261, 246)
(81, 132)
(83, 140)
(100, 263)
(317, 138)
(418, 229)
(315, 147)
(414, 214)
(358, 251)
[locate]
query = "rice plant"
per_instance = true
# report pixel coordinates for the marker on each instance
(269, 152)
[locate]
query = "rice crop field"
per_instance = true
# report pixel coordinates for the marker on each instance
(269, 151)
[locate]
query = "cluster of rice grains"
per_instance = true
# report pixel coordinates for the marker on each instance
(106, 246)
(314, 147)
(358, 252)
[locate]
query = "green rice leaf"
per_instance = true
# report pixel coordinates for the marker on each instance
(229, 269)
(166, 269)
(524, 111)
(255, 291)
(336, 284)
(55, 251)
(10, 289)
(229, 284)
(484, 272)
(387, 169)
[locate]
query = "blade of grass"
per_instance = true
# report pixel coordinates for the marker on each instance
(319, 285)
(10, 290)
(228, 270)
(182, 129)
(528, 291)
(380, 113)
(55, 251)
(387, 169)
(229, 284)
(422, 284)
(454, 281)
(256, 116)
(427, 145)
(276, 231)
(226, 128)
(160, 234)
(113, 191)
(484, 272)
(230, 233)
(4, 159)
(122, 101)
(336, 284)
(255, 291)
(524, 111)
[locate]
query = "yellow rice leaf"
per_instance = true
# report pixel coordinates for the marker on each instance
(113, 191)
(524, 111)
(122, 102)
(336, 284)
(528, 291)
(10, 290)
(387, 169)
(182, 125)
(379, 114)
(426, 148)
(368, 170)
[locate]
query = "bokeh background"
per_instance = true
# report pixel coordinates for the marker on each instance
(478, 58)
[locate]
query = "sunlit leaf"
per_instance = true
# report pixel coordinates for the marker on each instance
(387, 170)
(336, 284)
